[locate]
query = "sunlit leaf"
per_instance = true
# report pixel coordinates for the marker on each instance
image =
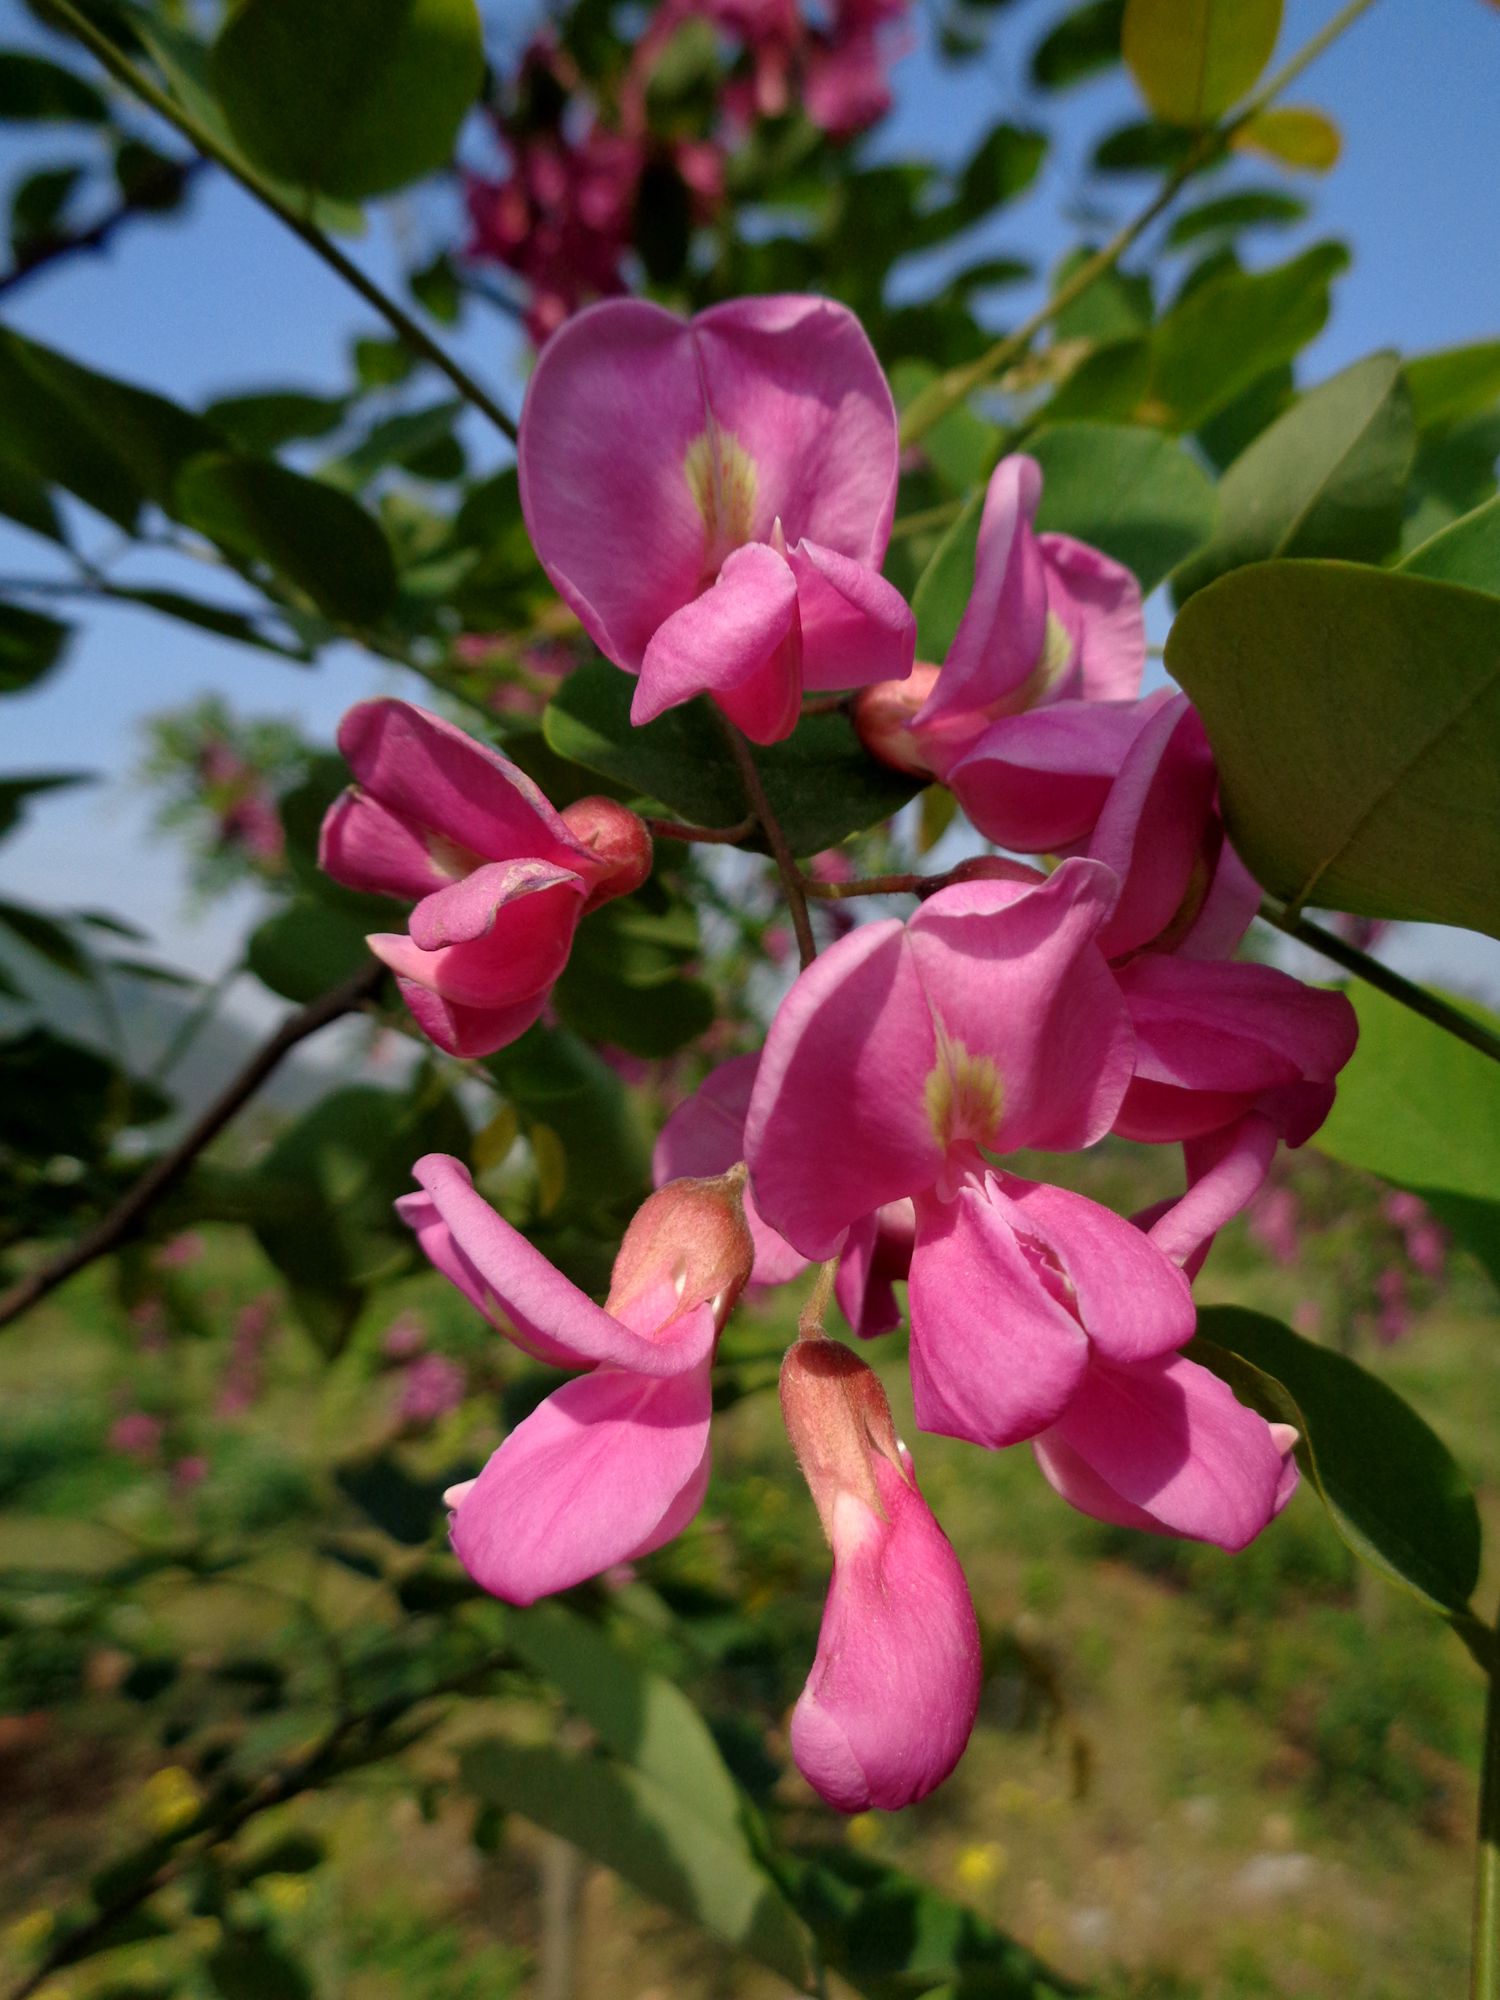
(1454, 383)
(1133, 493)
(1293, 135)
(1466, 552)
(1193, 59)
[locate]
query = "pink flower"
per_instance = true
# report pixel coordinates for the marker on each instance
(713, 499)
(1164, 1445)
(405, 1338)
(891, 1699)
(1395, 1316)
(431, 1387)
(190, 1471)
(706, 1135)
(615, 1462)
(1034, 707)
(501, 878)
(178, 1252)
(1273, 1223)
(900, 1064)
(137, 1435)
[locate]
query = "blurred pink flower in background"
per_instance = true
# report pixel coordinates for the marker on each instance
(137, 1435)
(431, 1387)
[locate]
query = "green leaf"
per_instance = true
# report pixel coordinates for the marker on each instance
(1228, 214)
(821, 783)
(1003, 165)
(1352, 713)
(699, 1867)
(1326, 479)
(25, 500)
(1193, 59)
(31, 645)
(215, 618)
(1467, 551)
(1391, 1486)
(349, 101)
(310, 946)
(944, 587)
(556, 1080)
(269, 418)
(317, 539)
(1131, 492)
(15, 792)
(1142, 148)
(1456, 383)
(394, 440)
(47, 938)
(38, 210)
(32, 88)
(1422, 1109)
(1079, 46)
(1293, 135)
(108, 443)
(1228, 333)
(252, 1968)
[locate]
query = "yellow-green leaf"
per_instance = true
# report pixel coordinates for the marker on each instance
(1193, 59)
(1294, 136)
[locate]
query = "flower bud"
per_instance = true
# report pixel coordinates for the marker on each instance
(883, 716)
(688, 1245)
(894, 1690)
(617, 840)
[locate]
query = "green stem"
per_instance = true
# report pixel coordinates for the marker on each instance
(939, 397)
(1440, 1012)
(1485, 1982)
(776, 840)
(212, 148)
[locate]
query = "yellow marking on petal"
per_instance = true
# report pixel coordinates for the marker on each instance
(721, 476)
(1056, 659)
(963, 1094)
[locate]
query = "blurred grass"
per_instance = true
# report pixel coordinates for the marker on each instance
(1196, 1777)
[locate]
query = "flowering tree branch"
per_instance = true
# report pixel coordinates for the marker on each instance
(75, 23)
(128, 1215)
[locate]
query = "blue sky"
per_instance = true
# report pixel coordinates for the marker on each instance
(224, 299)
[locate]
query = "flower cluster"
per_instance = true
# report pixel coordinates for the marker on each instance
(713, 500)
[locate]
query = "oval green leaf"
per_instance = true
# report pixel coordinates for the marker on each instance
(1131, 492)
(1353, 713)
(1390, 1484)
(349, 100)
(1467, 551)
(1194, 58)
(1293, 135)
(319, 540)
(1326, 479)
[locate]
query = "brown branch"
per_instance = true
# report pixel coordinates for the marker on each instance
(128, 1215)
(100, 234)
(704, 836)
(792, 880)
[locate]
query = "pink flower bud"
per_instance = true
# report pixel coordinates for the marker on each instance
(892, 1696)
(617, 843)
(136, 1435)
(688, 1245)
(883, 717)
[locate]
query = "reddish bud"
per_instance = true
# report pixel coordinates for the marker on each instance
(619, 843)
(690, 1241)
(883, 716)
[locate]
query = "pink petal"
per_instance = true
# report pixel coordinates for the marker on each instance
(1154, 824)
(995, 1353)
(466, 1032)
(1099, 603)
(836, 1124)
(608, 1468)
(1013, 975)
(706, 1135)
(1164, 1445)
(740, 641)
(1002, 635)
(1131, 1299)
(1229, 909)
(519, 955)
(366, 846)
(785, 392)
(876, 1251)
(1225, 1170)
(1037, 782)
(431, 775)
(527, 1297)
(856, 627)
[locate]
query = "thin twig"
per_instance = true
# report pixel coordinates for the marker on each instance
(65, 13)
(1440, 1012)
(99, 235)
(873, 885)
(703, 836)
(129, 1213)
(776, 840)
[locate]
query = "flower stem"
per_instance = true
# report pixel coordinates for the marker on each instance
(1440, 1012)
(786, 862)
(75, 23)
(1485, 1979)
(704, 836)
(810, 1319)
(939, 397)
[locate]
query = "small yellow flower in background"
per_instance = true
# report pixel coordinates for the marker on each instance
(864, 1830)
(286, 1894)
(172, 1798)
(27, 1932)
(977, 1867)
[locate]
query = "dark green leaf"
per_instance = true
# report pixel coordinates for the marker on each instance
(1456, 383)
(1352, 713)
(148, 180)
(1390, 1484)
(24, 499)
(1004, 164)
(821, 783)
(1229, 431)
(944, 587)
(317, 539)
(110, 444)
(57, 1096)
(392, 441)
(1326, 479)
(1114, 307)
(47, 938)
(38, 210)
(15, 792)
(272, 417)
(31, 88)
(1468, 551)
(1133, 493)
(310, 946)
(251, 1968)
(657, 1841)
(1109, 385)
(1082, 43)
(1454, 473)
(409, 1510)
(349, 101)
(556, 1080)
(31, 645)
(1228, 214)
(1145, 148)
(225, 624)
